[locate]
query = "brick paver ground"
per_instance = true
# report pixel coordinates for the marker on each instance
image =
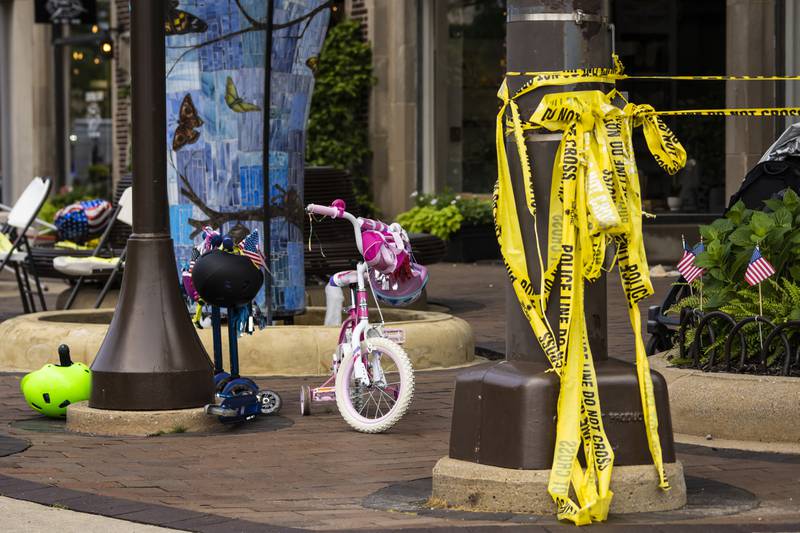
(476, 292)
(313, 472)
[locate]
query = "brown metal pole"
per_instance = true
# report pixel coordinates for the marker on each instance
(504, 414)
(536, 44)
(148, 102)
(151, 358)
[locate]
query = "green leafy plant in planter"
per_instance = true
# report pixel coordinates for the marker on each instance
(445, 213)
(729, 244)
(476, 211)
(463, 220)
(430, 219)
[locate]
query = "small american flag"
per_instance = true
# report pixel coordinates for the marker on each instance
(759, 269)
(686, 266)
(251, 247)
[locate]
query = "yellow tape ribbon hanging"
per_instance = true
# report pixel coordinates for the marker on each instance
(505, 215)
(595, 200)
(617, 73)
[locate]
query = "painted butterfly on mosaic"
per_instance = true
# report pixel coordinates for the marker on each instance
(179, 22)
(234, 101)
(188, 121)
(313, 64)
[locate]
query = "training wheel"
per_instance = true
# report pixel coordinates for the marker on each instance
(271, 402)
(305, 400)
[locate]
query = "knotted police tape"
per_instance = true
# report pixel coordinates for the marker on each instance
(595, 202)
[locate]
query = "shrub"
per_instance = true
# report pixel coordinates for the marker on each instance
(729, 243)
(337, 124)
(445, 213)
(430, 219)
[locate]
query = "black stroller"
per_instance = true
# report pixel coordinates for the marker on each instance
(777, 171)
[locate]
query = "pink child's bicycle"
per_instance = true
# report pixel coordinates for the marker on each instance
(373, 381)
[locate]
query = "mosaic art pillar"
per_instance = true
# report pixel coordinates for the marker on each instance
(215, 110)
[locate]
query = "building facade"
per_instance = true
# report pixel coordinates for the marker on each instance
(65, 112)
(438, 64)
(63, 95)
(27, 104)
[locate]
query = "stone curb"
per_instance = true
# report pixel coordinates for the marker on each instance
(433, 340)
(736, 407)
(782, 448)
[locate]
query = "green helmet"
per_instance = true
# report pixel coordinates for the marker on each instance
(52, 388)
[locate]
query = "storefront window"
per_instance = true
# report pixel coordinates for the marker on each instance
(684, 37)
(475, 66)
(89, 124)
(651, 38)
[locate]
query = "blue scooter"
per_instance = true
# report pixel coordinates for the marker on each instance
(225, 279)
(238, 399)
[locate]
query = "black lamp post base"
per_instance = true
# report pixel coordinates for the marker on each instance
(151, 358)
(505, 414)
(150, 392)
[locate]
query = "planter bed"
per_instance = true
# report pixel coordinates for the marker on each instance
(472, 243)
(740, 407)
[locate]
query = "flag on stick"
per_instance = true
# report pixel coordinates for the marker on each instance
(758, 269)
(251, 247)
(686, 266)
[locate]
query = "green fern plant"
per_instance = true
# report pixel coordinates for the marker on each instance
(729, 244)
(338, 135)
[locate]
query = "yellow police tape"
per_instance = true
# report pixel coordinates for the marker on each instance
(617, 72)
(727, 112)
(595, 202)
(736, 112)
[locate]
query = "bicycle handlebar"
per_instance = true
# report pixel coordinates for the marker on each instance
(327, 211)
(336, 210)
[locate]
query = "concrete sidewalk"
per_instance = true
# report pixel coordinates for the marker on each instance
(26, 517)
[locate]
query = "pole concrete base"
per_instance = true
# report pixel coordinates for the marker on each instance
(476, 487)
(84, 419)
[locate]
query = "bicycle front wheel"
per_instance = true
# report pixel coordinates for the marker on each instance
(377, 403)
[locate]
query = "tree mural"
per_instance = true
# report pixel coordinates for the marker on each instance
(216, 54)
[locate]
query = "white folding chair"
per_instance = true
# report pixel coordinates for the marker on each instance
(20, 219)
(95, 265)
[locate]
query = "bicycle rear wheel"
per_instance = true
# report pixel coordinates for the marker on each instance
(376, 405)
